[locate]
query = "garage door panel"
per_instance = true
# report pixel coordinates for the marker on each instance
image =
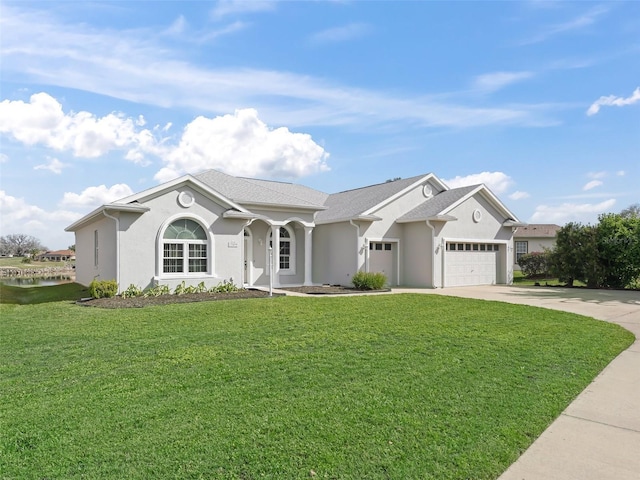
(470, 268)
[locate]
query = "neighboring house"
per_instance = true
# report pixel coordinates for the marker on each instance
(212, 227)
(57, 256)
(534, 237)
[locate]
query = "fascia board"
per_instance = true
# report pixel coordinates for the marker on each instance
(358, 218)
(387, 201)
(98, 212)
(284, 208)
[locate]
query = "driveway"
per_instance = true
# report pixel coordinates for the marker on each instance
(598, 436)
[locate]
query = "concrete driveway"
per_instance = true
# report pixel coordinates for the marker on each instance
(598, 436)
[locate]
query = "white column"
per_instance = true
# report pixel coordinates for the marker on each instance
(308, 256)
(275, 238)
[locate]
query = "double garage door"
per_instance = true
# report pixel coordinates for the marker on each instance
(471, 264)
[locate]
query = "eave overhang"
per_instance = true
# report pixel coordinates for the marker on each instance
(513, 223)
(109, 208)
(357, 218)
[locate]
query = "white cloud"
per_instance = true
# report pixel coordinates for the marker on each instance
(577, 23)
(95, 196)
(43, 121)
(491, 82)
(4, 158)
(518, 195)
(612, 100)
(148, 70)
(340, 34)
(592, 184)
(597, 175)
(240, 7)
(54, 166)
(621, 173)
(242, 144)
(18, 216)
(497, 182)
(567, 212)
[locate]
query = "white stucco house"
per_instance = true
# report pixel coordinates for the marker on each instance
(211, 227)
(534, 237)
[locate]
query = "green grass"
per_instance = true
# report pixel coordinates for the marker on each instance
(35, 295)
(392, 386)
(520, 279)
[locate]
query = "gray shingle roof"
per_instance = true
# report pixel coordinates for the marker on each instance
(245, 190)
(538, 230)
(351, 203)
(436, 204)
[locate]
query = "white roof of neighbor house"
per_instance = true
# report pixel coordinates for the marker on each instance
(538, 230)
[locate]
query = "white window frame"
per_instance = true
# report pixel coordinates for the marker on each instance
(518, 254)
(292, 249)
(161, 242)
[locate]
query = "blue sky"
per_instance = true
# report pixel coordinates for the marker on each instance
(538, 100)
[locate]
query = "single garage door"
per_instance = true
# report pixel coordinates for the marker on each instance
(471, 264)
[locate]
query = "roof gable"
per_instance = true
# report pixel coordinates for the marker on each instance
(538, 230)
(365, 201)
(439, 204)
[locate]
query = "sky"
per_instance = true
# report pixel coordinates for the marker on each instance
(538, 100)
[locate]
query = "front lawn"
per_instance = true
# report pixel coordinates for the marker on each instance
(390, 386)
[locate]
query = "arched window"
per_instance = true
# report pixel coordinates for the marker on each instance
(287, 250)
(184, 247)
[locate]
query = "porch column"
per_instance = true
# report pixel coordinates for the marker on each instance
(308, 256)
(275, 237)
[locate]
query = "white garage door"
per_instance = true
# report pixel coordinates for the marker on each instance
(471, 264)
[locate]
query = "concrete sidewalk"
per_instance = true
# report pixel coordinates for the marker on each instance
(598, 436)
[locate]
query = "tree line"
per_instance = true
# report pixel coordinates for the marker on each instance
(19, 245)
(604, 255)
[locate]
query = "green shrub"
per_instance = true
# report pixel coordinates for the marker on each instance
(103, 288)
(227, 286)
(132, 291)
(26, 260)
(534, 264)
(369, 280)
(157, 291)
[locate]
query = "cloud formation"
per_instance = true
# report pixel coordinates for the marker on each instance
(54, 166)
(498, 182)
(567, 212)
(591, 184)
(95, 196)
(613, 101)
(578, 23)
(518, 195)
(42, 121)
(490, 82)
(340, 34)
(242, 144)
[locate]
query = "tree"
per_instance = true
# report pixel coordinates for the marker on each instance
(18, 244)
(632, 211)
(619, 248)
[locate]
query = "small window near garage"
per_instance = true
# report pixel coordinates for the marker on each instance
(387, 247)
(522, 248)
(483, 247)
(460, 246)
(475, 247)
(467, 246)
(378, 246)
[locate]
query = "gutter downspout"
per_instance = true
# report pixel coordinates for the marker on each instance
(357, 244)
(117, 220)
(433, 251)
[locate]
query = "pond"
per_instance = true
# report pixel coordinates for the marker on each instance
(37, 281)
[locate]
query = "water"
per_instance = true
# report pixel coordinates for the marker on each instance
(27, 282)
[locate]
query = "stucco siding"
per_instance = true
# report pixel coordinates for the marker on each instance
(416, 255)
(339, 257)
(86, 268)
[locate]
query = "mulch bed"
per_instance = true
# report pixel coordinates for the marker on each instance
(139, 302)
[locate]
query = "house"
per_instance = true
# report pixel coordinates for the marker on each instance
(534, 237)
(211, 227)
(57, 256)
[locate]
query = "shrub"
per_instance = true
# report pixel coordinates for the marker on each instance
(103, 288)
(369, 280)
(157, 291)
(132, 291)
(227, 286)
(534, 264)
